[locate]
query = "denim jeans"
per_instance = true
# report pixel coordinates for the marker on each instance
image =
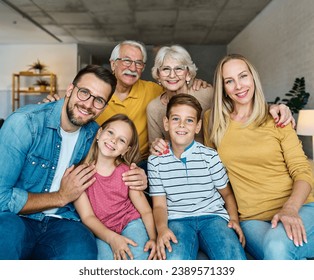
(264, 242)
(209, 233)
(136, 231)
(49, 239)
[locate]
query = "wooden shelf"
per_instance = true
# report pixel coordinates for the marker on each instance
(17, 90)
(33, 91)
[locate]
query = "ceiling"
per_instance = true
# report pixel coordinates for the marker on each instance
(101, 24)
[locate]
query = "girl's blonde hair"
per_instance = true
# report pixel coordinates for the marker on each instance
(133, 153)
(223, 106)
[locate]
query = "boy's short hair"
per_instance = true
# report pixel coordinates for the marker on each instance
(184, 99)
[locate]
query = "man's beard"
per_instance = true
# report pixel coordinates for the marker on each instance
(75, 121)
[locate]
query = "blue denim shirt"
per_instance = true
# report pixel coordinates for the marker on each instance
(30, 143)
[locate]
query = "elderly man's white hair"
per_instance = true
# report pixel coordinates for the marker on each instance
(116, 51)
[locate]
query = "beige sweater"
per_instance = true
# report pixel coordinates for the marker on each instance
(262, 165)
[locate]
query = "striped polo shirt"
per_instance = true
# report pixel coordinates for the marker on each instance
(190, 183)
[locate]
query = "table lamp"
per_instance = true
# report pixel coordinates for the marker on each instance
(305, 125)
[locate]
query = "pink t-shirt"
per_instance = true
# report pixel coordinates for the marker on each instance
(109, 197)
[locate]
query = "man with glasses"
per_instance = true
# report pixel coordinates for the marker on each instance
(41, 147)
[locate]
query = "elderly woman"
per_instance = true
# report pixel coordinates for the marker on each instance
(175, 71)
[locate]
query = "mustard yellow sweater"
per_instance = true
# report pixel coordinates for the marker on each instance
(262, 165)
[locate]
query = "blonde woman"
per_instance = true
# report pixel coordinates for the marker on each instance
(269, 173)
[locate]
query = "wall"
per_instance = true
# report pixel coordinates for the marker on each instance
(279, 42)
(60, 59)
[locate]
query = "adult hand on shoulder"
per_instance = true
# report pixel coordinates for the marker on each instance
(292, 223)
(282, 115)
(135, 178)
(159, 147)
(51, 98)
(75, 181)
(198, 84)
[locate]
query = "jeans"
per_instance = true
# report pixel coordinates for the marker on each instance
(49, 239)
(136, 231)
(264, 242)
(209, 233)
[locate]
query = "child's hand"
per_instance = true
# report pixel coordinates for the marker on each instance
(236, 226)
(151, 245)
(120, 248)
(159, 147)
(163, 240)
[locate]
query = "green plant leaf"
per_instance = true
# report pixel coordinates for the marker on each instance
(298, 97)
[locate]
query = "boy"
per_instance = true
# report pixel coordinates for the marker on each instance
(193, 205)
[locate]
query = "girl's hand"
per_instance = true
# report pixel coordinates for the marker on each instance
(163, 240)
(120, 248)
(237, 228)
(151, 245)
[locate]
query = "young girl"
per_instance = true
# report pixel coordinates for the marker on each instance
(119, 217)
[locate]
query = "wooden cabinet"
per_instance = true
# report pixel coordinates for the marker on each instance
(25, 83)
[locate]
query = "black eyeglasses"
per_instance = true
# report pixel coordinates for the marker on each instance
(84, 94)
(139, 64)
(166, 70)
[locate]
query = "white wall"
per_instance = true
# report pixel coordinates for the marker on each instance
(60, 59)
(280, 43)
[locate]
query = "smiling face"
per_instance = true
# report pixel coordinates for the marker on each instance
(177, 77)
(238, 82)
(79, 113)
(182, 126)
(127, 75)
(114, 139)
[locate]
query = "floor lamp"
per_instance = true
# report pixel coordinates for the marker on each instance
(305, 125)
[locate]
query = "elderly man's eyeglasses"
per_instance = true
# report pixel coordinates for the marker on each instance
(84, 94)
(139, 64)
(166, 70)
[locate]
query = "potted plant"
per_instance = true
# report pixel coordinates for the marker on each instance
(297, 97)
(38, 67)
(42, 83)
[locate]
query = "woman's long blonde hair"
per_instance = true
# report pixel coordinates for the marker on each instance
(223, 106)
(133, 153)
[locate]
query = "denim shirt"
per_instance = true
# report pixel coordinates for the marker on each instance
(30, 143)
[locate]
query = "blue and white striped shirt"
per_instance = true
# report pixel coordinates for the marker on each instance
(190, 183)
